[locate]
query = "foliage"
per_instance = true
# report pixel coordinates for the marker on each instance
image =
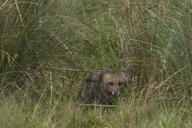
(40, 38)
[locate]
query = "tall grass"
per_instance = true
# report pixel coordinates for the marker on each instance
(40, 38)
(20, 22)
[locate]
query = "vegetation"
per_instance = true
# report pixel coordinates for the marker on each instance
(44, 46)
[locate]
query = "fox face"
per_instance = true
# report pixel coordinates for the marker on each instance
(113, 82)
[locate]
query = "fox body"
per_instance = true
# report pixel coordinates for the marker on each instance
(103, 86)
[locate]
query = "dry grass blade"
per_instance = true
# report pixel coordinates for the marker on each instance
(148, 93)
(77, 82)
(161, 84)
(19, 12)
(79, 70)
(11, 58)
(73, 69)
(97, 105)
(4, 4)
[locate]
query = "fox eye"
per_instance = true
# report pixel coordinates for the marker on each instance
(121, 83)
(110, 83)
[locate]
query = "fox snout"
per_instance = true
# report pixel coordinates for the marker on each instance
(115, 91)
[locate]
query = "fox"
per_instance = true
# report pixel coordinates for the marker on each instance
(103, 86)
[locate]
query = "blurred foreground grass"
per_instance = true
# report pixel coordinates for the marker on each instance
(154, 37)
(60, 112)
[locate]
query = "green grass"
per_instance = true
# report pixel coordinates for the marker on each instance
(47, 112)
(154, 37)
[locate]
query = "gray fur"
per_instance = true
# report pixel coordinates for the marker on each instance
(102, 87)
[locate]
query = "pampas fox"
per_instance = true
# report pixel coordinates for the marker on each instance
(103, 86)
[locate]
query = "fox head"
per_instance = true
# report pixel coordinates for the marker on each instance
(113, 82)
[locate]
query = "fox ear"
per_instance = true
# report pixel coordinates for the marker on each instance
(126, 70)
